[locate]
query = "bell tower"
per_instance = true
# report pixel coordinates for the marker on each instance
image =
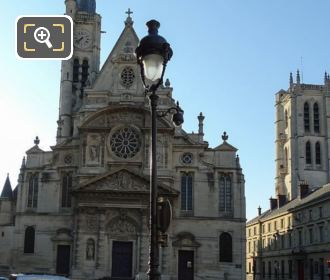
(81, 70)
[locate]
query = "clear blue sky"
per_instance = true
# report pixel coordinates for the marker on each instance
(230, 58)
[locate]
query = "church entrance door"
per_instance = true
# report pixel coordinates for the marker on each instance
(186, 265)
(63, 260)
(122, 258)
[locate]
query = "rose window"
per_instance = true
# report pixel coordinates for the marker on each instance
(125, 142)
(127, 77)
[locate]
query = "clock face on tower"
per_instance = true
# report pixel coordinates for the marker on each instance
(82, 38)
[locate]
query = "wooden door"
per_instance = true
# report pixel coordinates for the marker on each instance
(122, 258)
(186, 265)
(301, 272)
(63, 260)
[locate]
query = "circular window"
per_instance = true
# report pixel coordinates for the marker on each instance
(125, 142)
(68, 159)
(187, 158)
(127, 77)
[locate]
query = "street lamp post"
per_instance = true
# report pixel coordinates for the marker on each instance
(152, 54)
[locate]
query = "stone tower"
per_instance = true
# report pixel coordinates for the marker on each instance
(302, 141)
(80, 71)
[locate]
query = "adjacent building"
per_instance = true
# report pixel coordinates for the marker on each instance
(81, 209)
(291, 240)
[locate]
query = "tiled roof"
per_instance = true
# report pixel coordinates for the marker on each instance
(314, 195)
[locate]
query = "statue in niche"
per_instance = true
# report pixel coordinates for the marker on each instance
(90, 249)
(93, 149)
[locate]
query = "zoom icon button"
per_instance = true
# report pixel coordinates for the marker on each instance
(44, 37)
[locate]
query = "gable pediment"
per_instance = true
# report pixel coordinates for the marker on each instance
(122, 180)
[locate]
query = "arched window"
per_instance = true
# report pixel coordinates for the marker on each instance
(186, 191)
(76, 70)
(90, 249)
(308, 153)
(33, 191)
(317, 153)
(286, 119)
(29, 240)
(306, 117)
(316, 115)
(226, 247)
(84, 73)
(225, 193)
(66, 190)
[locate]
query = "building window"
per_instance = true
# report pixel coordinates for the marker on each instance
(321, 270)
(249, 247)
(76, 70)
(318, 153)
(226, 247)
(249, 232)
(311, 214)
(84, 72)
(263, 228)
(290, 239)
(306, 117)
(225, 193)
(282, 223)
(275, 225)
(282, 241)
(263, 269)
(269, 269)
(66, 190)
(311, 269)
(320, 212)
(33, 191)
(308, 153)
(186, 192)
(249, 267)
(311, 237)
(269, 227)
(255, 230)
(316, 115)
(300, 238)
(29, 238)
(290, 269)
(289, 221)
(321, 233)
(282, 269)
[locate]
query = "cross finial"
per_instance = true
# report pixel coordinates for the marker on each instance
(129, 12)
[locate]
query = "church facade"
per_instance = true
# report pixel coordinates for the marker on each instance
(81, 209)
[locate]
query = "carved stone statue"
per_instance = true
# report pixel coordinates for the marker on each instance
(90, 249)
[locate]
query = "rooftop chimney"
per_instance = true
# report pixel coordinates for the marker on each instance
(281, 200)
(303, 189)
(273, 203)
(259, 211)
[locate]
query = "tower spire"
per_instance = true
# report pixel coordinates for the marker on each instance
(7, 192)
(298, 77)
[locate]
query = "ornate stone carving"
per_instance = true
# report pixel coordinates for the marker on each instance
(121, 181)
(122, 227)
(91, 223)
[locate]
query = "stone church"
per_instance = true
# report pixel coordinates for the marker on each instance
(81, 209)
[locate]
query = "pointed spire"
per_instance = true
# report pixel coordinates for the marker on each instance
(7, 191)
(325, 77)
(23, 165)
(298, 77)
(129, 20)
(291, 79)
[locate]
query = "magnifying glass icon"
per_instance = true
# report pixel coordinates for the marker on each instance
(41, 35)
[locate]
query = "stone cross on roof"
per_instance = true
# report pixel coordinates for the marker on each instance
(129, 12)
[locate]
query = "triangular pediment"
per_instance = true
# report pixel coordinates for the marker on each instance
(122, 53)
(122, 180)
(225, 146)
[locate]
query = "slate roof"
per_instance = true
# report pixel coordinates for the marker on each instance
(314, 195)
(7, 191)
